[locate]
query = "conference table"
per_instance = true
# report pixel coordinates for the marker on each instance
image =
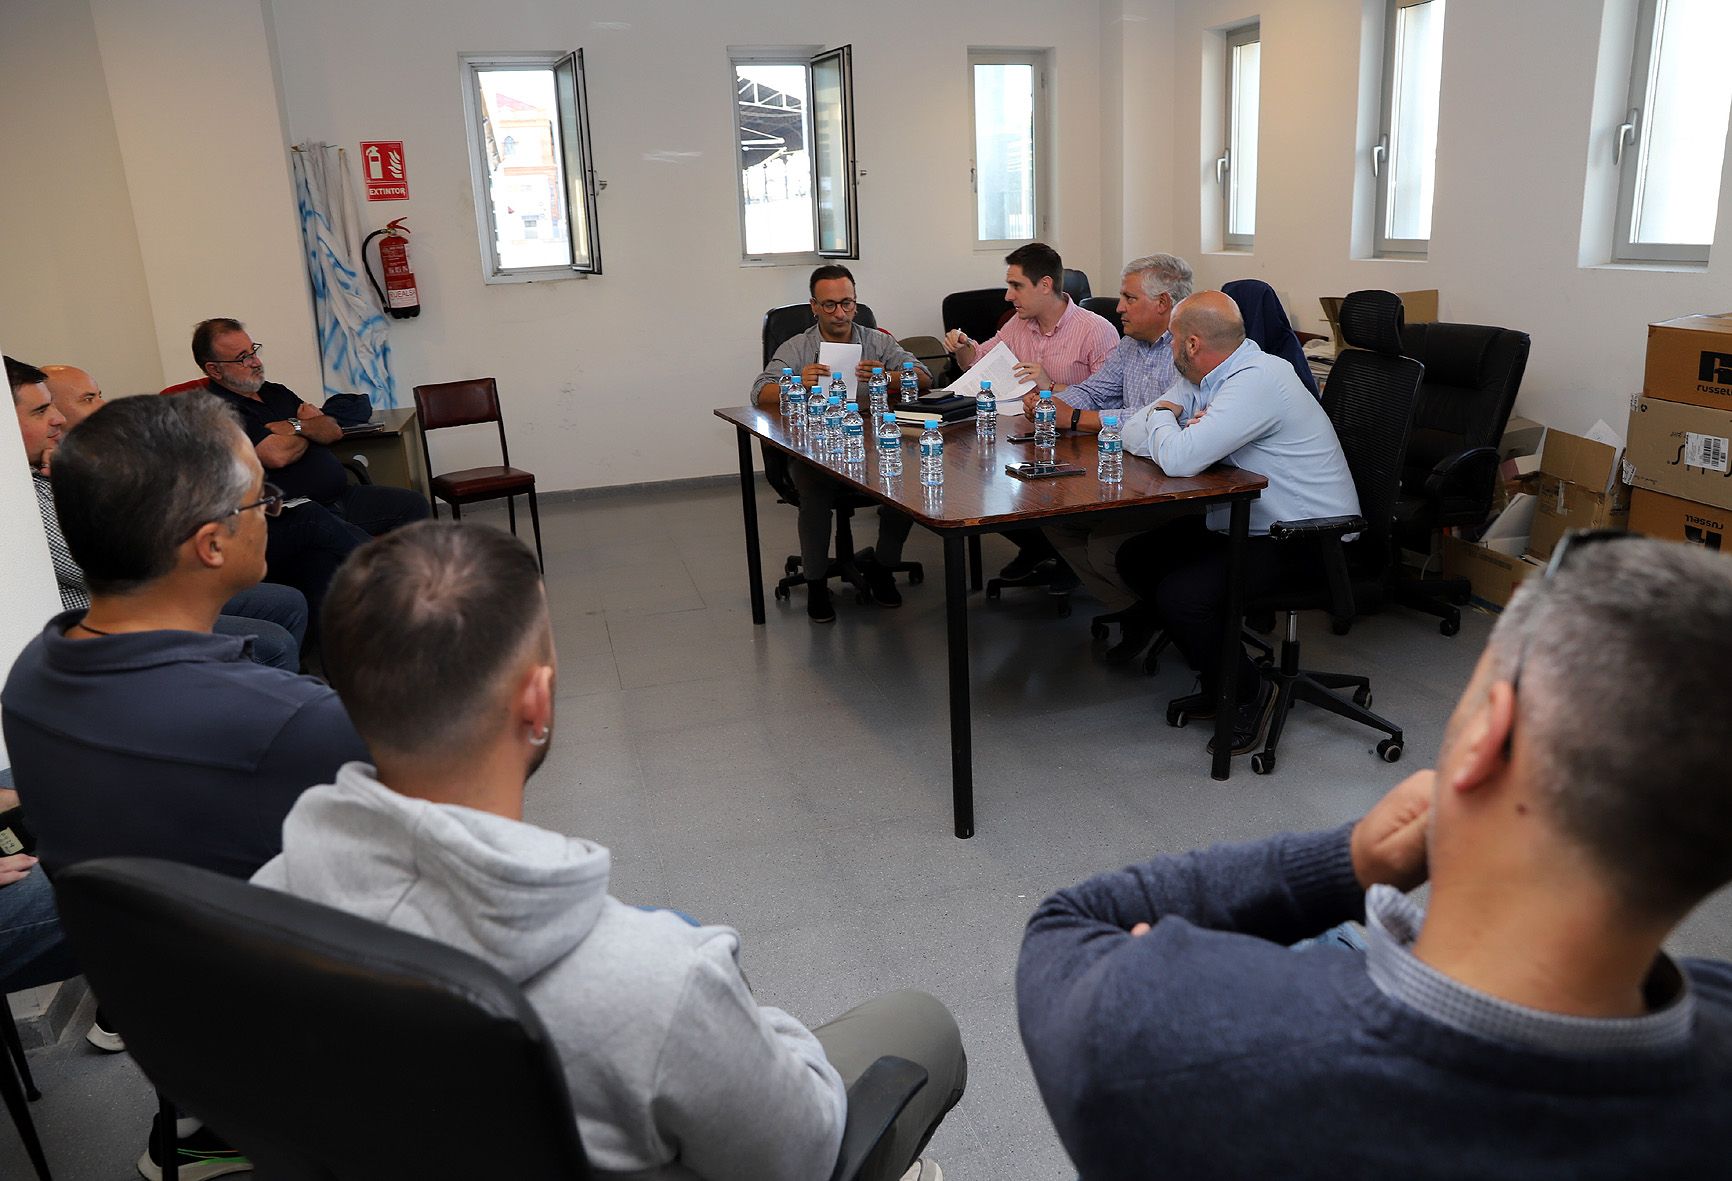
(978, 496)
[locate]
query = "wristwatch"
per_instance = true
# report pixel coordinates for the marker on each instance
(1075, 417)
(295, 425)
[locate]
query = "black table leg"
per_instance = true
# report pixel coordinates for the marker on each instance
(961, 737)
(749, 507)
(1226, 703)
(974, 577)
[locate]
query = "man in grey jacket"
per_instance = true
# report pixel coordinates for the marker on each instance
(437, 638)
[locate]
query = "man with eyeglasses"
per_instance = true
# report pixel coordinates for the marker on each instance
(833, 304)
(1523, 1020)
(274, 616)
(327, 516)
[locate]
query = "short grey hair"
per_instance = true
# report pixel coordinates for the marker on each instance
(1623, 692)
(1161, 272)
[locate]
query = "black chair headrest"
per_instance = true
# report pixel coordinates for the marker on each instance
(1373, 320)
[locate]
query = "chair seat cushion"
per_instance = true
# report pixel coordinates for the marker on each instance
(482, 483)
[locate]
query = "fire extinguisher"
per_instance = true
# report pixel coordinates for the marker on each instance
(399, 296)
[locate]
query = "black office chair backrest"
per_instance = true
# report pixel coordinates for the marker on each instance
(978, 312)
(1369, 398)
(325, 1047)
(1076, 285)
(1106, 306)
(1266, 323)
(1473, 373)
(791, 319)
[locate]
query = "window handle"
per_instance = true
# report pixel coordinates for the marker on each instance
(1626, 135)
(1379, 154)
(1223, 166)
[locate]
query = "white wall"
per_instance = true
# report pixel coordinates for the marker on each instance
(591, 370)
(1516, 127)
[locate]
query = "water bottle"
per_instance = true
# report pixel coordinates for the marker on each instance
(986, 414)
(910, 384)
(853, 435)
(833, 427)
(787, 384)
(1112, 450)
(1045, 421)
(878, 392)
(889, 446)
(931, 455)
(839, 389)
(815, 418)
(794, 405)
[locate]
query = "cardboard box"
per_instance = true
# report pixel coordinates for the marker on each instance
(1417, 307)
(1578, 489)
(1670, 519)
(1681, 450)
(1690, 361)
(1494, 575)
(1521, 436)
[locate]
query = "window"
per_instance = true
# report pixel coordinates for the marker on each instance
(1007, 94)
(1672, 144)
(1236, 170)
(1405, 156)
(794, 123)
(531, 166)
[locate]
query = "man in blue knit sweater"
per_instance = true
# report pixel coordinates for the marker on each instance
(1522, 1022)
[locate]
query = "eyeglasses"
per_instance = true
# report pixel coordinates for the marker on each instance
(833, 305)
(272, 503)
(249, 355)
(1571, 543)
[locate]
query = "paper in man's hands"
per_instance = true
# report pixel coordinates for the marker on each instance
(842, 359)
(998, 367)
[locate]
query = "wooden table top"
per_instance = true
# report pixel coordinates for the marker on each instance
(978, 494)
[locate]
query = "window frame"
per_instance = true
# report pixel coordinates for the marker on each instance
(1630, 155)
(1233, 39)
(1383, 245)
(1041, 120)
(848, 171)
(575, 157)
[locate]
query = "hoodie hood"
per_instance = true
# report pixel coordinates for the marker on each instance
(517, 896)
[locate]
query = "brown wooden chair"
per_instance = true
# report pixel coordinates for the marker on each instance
(467, 403)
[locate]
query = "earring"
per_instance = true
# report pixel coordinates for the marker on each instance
(538, 740)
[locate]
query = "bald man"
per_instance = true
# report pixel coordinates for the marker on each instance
(1237, 405)
(76, 394)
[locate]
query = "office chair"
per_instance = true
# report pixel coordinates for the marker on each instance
(1106, 307)
(17, 1088)
(1472, 376)
(1369, 398)
(370, 1052)
(1076, 285)
(469, 403)
(780, 323)
(1266, 323)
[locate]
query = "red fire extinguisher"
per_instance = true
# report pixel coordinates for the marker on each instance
(399, 296)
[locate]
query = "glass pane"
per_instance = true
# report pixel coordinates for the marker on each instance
(1413, 119)
(566, 82)
(1684, 142)
(775, 167)
(1242, 173)
(830, 147)
(1004, 151)
(526, 185)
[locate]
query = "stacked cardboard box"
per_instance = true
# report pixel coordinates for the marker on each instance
(1580, 487)
(1680, 456)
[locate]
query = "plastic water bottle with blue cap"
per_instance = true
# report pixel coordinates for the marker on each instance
(853, 435)
(931, 455)
(910, 384)
(795, 410)
(1112, 450)
(878, 392)
(833, 414)
(1045, 421)
(889, 446)
(986, 413)
(787, 384)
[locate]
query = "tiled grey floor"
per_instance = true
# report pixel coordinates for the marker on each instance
(793, 781)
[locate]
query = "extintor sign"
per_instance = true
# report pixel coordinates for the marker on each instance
(382, 167)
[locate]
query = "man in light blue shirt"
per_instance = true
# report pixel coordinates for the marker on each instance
(1240, 406)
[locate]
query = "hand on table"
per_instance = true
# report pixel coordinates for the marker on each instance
(1388, 843)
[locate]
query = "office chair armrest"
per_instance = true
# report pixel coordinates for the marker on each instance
(357, 466)
(1317, 528)
(1470, 472)
(874, 1101)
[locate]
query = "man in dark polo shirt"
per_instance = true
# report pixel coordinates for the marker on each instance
(309, 540)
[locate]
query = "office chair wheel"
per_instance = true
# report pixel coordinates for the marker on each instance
(1449, 627)
(1461, 597)
(1389, 750)
(1262, 762)
(1097, 630)
(1362, 698)
(1177, 718)
(782, 592)
(791, 567)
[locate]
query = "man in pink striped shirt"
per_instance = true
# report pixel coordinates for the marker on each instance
(1056, 342)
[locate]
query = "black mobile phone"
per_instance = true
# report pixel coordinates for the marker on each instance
(1029, 438)
(1041, 471)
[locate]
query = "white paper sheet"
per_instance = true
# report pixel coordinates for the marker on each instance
(841, 358)
(998, 367)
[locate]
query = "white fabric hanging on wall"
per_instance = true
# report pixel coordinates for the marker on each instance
(354, 348)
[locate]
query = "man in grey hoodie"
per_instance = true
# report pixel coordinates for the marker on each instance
(437, 639)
